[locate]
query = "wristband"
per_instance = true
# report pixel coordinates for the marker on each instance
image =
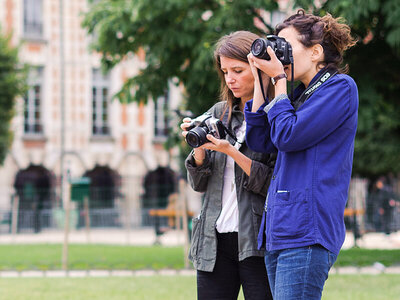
(276, 78)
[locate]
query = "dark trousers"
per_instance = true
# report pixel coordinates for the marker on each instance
(229, 274)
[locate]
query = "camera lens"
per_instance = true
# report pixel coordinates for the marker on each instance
(196, 137)
(259, 48)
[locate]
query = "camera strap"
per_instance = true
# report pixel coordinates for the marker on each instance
(325, 76)
(226, 127)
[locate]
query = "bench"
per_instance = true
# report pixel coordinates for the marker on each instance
(169, 212)
(350, 212)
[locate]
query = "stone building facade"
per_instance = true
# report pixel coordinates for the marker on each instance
(68, 120)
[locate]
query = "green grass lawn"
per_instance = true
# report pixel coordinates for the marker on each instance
(366, 257)
(341, 287)
(112, 257)
(357, 287)
(83, 257)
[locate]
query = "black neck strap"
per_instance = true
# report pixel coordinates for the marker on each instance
(327, 74)
(226, 126)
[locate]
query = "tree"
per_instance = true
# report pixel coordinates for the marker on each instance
(12, 84)
(374, 64)
(177, 37)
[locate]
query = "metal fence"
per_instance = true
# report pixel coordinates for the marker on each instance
(373, 206)
(126, 206)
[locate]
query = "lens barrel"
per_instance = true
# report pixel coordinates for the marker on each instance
(197, 137)
(259, 48)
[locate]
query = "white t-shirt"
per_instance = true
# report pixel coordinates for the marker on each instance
(228, 220)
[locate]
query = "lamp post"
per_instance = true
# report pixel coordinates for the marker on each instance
(64, 202)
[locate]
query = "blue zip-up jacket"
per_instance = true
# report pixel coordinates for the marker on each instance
(308, 191)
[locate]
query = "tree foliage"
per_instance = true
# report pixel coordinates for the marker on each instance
(12, 84)
(178, 37)
(374, 64)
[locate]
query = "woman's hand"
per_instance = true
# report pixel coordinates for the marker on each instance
(272, 67)
(220, 145)
(253, 68)
(184, 125)
(225, 147)
(259, 97)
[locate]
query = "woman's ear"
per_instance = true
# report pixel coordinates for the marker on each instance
(317, 54)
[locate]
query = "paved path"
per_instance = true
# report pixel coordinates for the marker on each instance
(146, 236)
(376, 269)
(94, 273)
(374, 240)
(141, 236)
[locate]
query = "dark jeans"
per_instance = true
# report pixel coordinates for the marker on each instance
(298, 273)
(229, 274)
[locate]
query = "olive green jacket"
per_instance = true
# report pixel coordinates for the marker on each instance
(251, 192)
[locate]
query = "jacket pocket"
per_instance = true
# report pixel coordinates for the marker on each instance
(195, 238)
(291, 214)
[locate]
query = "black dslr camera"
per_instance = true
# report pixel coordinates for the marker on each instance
(201, 126)
(281, 47)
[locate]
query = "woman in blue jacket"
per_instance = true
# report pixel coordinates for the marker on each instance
(303, 227)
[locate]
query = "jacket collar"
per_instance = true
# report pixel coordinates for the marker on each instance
(237, 115)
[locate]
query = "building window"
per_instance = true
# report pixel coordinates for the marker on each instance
(33, 18)
(33, 103)
(161, 117)
(100, 103)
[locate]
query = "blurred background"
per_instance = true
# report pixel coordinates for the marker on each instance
(92, 93)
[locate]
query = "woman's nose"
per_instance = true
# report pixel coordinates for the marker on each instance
(229, 79)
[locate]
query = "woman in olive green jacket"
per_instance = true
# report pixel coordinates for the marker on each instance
(235, 181)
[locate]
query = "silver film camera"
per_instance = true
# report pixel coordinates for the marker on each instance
(201, 126)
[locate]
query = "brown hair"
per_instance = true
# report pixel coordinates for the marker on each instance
(332, 34)
(235, 45)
